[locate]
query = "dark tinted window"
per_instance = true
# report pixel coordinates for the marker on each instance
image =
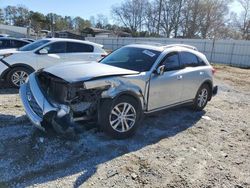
(189, 59)
(57, 47)
(33, 45)
(138, 59)
(171, 61)
(4, 44)
(17, 43)
(74, 47)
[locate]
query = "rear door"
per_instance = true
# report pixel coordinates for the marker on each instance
(56, 54)
(166, 89)
(79, 52)
(193, 74)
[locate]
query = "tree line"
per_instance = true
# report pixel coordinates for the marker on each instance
(145, 18)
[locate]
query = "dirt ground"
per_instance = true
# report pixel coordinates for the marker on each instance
(173, 148)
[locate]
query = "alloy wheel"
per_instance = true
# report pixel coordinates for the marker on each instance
(122, 117)
(18, 78)
(202, 97)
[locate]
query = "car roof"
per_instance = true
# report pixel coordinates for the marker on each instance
(161, 47)
(73, 40)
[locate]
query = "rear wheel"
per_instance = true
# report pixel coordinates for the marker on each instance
(202, 97)
(119, 118)
(17, 76)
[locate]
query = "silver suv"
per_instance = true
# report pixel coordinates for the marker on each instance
(115, 93)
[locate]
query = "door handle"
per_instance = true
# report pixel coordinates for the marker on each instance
(179, 77)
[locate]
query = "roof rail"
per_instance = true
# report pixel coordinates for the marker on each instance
(149, 43)
(181, 45)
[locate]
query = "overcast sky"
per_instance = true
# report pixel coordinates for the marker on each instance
(83, 8)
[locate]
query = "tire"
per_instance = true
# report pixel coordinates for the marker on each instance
(201, 97)
(17, 76)
(119, 118)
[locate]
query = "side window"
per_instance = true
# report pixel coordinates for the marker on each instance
(74, 47)
(57, 47)
(189, 59)
(17, 43)
(171, 61)
(4, 44)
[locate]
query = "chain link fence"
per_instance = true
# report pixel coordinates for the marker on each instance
(230, 52)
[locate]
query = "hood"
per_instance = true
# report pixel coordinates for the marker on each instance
(85, 70)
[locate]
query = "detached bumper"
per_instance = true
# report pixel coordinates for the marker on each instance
(34, 102)
(215, 90)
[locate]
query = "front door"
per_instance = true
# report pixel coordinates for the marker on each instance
(166, 89)
(56, 54)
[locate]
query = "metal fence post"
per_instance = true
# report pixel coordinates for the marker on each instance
(231, 56)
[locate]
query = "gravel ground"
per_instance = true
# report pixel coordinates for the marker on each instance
(173, 148)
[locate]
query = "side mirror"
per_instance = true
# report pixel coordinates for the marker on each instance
(160, 70)
(43, 51)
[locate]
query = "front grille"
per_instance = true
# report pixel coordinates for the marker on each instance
(32, 102)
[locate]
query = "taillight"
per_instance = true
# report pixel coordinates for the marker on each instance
(213, 70)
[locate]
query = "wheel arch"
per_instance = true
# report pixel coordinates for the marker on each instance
(5, 73)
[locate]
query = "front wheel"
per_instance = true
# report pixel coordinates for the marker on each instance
(17, 76)
(202, 97)
(119, 118)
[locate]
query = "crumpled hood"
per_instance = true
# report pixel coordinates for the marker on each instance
(85, 70)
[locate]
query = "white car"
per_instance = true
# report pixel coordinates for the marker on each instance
(17, 65)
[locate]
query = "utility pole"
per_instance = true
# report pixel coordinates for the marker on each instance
(159, 18)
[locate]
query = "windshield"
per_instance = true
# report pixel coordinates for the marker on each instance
(137, 59)
(33, 45)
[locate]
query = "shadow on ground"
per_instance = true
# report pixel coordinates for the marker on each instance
(31, 157)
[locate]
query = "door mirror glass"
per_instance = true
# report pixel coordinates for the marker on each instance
(43, 51)
(160, 70)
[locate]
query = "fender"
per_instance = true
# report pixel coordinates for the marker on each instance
(10, 67)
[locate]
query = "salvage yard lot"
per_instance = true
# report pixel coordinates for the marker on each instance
(172, 148)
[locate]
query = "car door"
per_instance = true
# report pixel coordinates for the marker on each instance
(77, 51)
(51, 54)
(193, 74)
(166, 89)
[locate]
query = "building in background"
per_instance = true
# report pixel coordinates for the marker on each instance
(16, 31)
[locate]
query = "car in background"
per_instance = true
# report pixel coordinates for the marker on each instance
(28, 39)
(4, 35)
(133, 80)
(15, 66)
(12, 43)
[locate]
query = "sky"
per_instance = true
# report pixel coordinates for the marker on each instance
(82, 8)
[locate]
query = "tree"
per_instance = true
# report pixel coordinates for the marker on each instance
(131, 14)
(1, 16)
(80, 24)
(101, 21)
(245, 19)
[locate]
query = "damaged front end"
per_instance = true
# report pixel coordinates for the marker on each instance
(47, 98)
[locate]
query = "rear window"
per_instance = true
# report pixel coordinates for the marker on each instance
(74, 47)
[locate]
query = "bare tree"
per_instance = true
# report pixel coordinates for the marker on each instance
(245, 19)
(131, 14)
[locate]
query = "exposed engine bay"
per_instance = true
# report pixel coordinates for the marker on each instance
(82, 102)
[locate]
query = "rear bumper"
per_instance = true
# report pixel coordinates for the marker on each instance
(215, 90)
(34, 102)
